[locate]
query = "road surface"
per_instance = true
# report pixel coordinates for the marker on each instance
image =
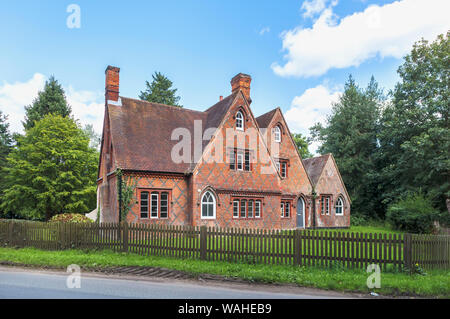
(37, 284)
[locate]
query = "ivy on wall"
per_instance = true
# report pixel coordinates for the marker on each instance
(125, 194)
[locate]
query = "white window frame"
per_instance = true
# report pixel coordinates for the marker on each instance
(239, 119)
(161, 205)
(277, 134)
(236, 209)
(283, 165)
(258, 209)
(252, 210)
(213, 203)
(243, 209)
(340, 204)
(147, 204)
(282, 209)
(241, 163)
(151, 205)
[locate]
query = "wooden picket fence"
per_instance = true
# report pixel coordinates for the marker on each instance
(287, 247)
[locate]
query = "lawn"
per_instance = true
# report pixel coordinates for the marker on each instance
(434, 284)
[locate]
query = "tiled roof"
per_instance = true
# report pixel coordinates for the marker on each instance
(264, 120)
(314, 167)
(141, 132)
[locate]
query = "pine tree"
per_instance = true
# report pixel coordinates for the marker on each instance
(52, 100)
(351, 135)
(160, 91)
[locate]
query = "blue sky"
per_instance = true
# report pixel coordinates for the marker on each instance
(299, 53)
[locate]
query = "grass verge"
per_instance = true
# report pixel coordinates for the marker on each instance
(434, 284)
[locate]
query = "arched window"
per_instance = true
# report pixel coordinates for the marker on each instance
(277, 134)
(239, 121)
(208, 205)
(340, 206)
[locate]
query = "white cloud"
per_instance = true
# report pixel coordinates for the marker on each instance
(385, 31)
(87, 106)
(264, 30)
(314, 7)
(14, 97)
(311, 107)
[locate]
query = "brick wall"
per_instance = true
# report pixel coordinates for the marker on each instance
(330, 184)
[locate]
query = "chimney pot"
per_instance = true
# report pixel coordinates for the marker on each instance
(112, 84)
(242, 82)
(221, 98)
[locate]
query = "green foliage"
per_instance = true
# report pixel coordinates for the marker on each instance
(6, 142)
(414, 213)
(358, 220)
(52, 100)
(160, 91)
(71, 218)
(351, 135)
(414, 134)
(302, 145)
(52, 170)
(126, 192)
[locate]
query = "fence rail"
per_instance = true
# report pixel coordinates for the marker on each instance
(289, 247)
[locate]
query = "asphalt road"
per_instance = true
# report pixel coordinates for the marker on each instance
(36, 284)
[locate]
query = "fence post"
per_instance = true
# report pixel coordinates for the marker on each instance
(407, 258)
(203, 242)
(297, 244)
(124, 235)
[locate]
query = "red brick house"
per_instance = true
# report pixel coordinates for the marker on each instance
(332, 201)
(220, 167)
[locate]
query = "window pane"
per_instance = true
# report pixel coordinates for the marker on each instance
(240, 161)
(243, 208)
(257, 209)
(287, 210)
(208, 204)
(232, 159)
(283, 170)
(154, 203)
(164, 205)
(236, 209)
(250, 209)
(144, 205)
(282, 209)
(247, 161)
(205, 210)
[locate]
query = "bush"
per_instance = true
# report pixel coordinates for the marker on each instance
(358, 220)
(71, 218)
(414, 213)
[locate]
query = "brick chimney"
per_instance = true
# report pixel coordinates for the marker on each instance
(112, 84)
(242, 82)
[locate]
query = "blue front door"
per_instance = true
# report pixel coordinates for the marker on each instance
(300, 213)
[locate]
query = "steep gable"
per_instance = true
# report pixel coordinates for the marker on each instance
(211, 173)
(325, 175)
(297, 179)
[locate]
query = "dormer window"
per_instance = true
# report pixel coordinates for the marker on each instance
(239, 121)
(277, 134)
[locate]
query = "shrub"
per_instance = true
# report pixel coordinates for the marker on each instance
(71, 218)
(358, 220)
(413, 213)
